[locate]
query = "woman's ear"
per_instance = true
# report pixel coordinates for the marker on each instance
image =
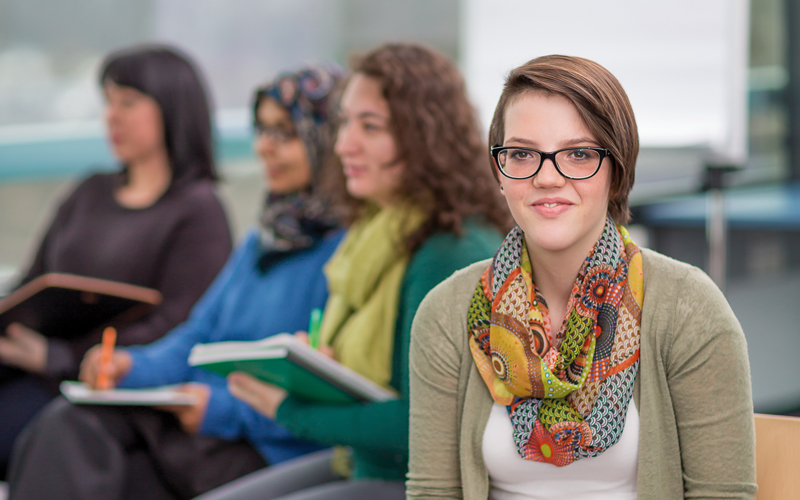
(496, 172)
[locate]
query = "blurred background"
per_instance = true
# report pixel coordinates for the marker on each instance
(714, 83)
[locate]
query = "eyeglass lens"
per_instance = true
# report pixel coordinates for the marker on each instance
(575, 162)
(277, 134)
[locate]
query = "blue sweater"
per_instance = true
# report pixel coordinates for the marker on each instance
(241, 304)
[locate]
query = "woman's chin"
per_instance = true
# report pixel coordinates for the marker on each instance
(550, 241)
(122, 155)
(275, 184)
(286, 186)
(356, 189)
(283, 189)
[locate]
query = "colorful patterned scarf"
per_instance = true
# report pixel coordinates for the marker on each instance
(566, 401)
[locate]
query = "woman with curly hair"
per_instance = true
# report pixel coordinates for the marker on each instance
(419, 200)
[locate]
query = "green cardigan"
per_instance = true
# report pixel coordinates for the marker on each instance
(378, 432)
(696, 437)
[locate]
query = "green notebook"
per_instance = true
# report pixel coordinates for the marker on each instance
(284, 361)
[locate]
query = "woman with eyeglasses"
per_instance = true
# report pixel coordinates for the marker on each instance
(270, 285)
(419, 204)
(575, 364)
(155, 222)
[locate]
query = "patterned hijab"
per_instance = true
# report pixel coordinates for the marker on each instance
(294, 221)
(568, 400)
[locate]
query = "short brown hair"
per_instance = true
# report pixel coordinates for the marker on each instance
(602, 104)
(438, 138)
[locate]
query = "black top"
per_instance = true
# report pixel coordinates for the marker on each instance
(176, 246)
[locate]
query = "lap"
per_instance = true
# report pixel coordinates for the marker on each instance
(364, 489)
(279, 480)
(306, 478)
(21, 398)
(187, 464)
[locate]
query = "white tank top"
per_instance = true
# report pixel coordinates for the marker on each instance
(611, 475)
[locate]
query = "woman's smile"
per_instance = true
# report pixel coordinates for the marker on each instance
(551, 207)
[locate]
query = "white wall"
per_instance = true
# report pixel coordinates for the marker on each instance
(683, 63)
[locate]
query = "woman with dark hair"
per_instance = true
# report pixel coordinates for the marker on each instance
(171, 80)
(417, 195)
(157, 223)
(575, 364)
(271, 284)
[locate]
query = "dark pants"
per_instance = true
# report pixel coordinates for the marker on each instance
(22, 396)
(119, 453)
(306, 478)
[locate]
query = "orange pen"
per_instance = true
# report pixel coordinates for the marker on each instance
(107, 350)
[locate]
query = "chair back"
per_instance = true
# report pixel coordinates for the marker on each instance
(777, 457)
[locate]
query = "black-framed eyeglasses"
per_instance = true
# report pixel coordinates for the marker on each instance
(573, 163)
(280, 135)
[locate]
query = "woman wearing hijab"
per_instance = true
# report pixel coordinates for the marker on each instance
(421, 205)
(270, 285)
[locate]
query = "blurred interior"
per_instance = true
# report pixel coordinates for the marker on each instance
(51, 133)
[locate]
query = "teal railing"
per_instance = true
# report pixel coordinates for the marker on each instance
(65, 150)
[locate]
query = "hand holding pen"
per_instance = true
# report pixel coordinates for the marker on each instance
(103, 366)
(312, 337)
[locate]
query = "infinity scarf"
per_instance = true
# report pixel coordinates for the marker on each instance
(566, 401)
(364, 279)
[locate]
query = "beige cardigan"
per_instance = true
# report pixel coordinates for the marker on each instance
(696, 437)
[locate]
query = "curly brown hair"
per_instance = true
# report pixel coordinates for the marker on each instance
(602, 104)
(438, 140)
